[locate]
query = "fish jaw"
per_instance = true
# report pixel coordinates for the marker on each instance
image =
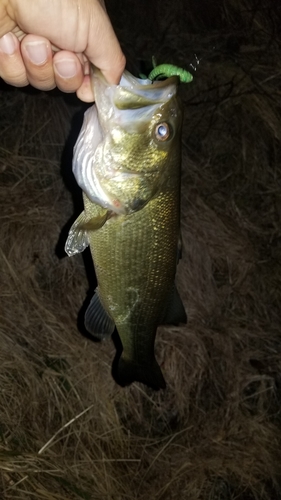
(87, 155)
(117, 161)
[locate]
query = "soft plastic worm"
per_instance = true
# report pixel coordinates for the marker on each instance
(167, 70)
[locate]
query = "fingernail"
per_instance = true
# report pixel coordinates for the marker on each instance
(37, 52)
(66, 68)
(7, 44)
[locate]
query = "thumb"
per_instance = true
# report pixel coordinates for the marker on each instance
(103, 49)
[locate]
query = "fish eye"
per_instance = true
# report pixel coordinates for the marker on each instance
(162, 131)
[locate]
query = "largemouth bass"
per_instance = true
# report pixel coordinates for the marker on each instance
(127, 162)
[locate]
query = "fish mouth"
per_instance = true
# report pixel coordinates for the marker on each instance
(136, 93)
(134, 83)
(132, 103)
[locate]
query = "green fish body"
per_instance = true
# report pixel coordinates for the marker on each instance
(131, 219)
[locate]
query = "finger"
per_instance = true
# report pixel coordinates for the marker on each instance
(12, 68)
(85, 91)
(68, 71)
(112, 68)
(107, 54)
(38, 60)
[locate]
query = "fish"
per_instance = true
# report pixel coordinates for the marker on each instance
(127, 161)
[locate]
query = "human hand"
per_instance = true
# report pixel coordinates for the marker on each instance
(50, 43)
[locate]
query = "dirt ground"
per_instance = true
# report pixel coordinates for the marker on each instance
(67, 430)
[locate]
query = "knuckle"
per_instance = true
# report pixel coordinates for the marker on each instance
(41, 77)
(14, 74)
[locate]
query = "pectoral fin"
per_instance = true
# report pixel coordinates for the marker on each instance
(174, 312)
(77, 239)
(96, 222)
(97, 321)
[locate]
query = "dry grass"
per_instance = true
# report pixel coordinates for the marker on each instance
(67, 431)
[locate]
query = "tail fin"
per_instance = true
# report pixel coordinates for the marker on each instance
(128, 371)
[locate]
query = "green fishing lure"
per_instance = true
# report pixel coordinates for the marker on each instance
(167, 70)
